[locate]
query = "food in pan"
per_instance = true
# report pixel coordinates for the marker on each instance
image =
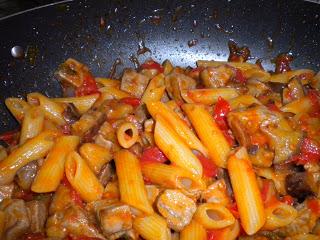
(225, 150)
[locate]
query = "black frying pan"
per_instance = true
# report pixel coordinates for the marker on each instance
(53, 33)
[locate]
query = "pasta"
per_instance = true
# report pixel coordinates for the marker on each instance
(166, 152)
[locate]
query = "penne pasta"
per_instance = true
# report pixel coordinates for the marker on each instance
(179, 126)
(244, 66)
(82, 104)
(305, 75)
(108, 82)
(152, 227)
(246, 191)
(52, 110)
(154, 90)
(209, 133)
(115, 92)
(208, 96)
(298, 106)
(2, 223)
(32, 124)
(194, 231)
(243, 101)
(169, 176)
(175, 148)
(95, 155)
(33, 149)
(213, 216)
(17, 107)
(127, 134)
(82, 179)
(228, 233)
(131, 185)
(278, 215)
(51, 172)
(257, 73)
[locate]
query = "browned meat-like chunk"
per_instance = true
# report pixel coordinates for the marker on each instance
(17, 221)
(38, 213)
(293, 92)
(177, 208)
(71, 114)
(214, 77)
(176, 82)
(61, 199)
(72, 221)
(26, 174)
(134, 83)
(105, 174)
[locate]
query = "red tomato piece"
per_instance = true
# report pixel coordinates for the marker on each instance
(239, 77)
(265, 190)
(309, 152)
(287, 199)
(89, 86)
(314, 97)
(212, 235)
(150, 64)
(209, 168)
(234, 210)
(314, 205)
(273, 107)
(153, 154)
(220, 112)
(10, 137)
(134, 102)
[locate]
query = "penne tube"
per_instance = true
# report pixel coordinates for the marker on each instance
(301, 105)
(244, 66)
(52, 110)
(33, 149)
(131, 185)
(154, 90)
(153, 192)
(82, 179)
(108, 82)
(208, 96)
(111, 191)
(32, 124)
(278, 215)
(115, 92)
(174, 177)
(51, 172)
(213, 216)
(127, 134)
(243, 101)
(285, 77)
(257, 73)
(246, 191)
(194, 231)
(153, 227)
(228, 233)
(209, 133)
(95, 155)
(179, 125)
(17, 107)
(82, 104)
(175, 148)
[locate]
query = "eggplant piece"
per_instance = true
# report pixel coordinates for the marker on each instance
(134, 83)
(176, 82)
(177, 208)
(214, 77)
(17, 220)
(293, 92)
(115, 219)
(106, 173)
(71, 114)
(297, 185)
(38, 213)
(6, 191)
(72, 221)
(25, 175)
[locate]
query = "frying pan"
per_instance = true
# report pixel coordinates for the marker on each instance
(98, 32)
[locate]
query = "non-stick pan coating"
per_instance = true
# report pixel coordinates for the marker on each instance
(74, 29)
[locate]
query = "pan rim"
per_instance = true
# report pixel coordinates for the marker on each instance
(35, 8)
